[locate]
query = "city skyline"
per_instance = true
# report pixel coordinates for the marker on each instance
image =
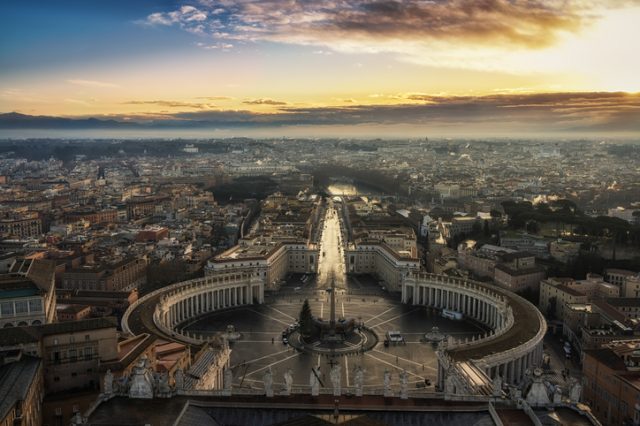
(323, 68)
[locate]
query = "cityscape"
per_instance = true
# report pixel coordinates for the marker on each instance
(354, 213)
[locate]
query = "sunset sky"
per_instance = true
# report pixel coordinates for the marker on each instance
(511, 66)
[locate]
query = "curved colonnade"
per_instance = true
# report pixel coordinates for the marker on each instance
(512, 347)
(184, 301)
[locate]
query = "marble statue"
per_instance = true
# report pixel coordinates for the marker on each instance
(314, 381)
(179, 378)
(108, 383)
(387, 383)
(404, 385)
(537, 396)
(141, 381)
(575, 392)
(449, 385)
(267, 378)
(227, 381)
(335, 375)
(77, 419)
(359, 380)
(557, 395)
(497, 385)
(163, 389)
(288, 382)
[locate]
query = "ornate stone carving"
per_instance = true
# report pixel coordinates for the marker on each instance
(288, 382)
(359, 380)
(179, 378)
(497, 385)
(575, 392)
(335, 375)
(141, 381)
(228, 380)
(387, 384)
(314, 381)
(267, 378)
(404, 385)
(537, 395)
(108, 383)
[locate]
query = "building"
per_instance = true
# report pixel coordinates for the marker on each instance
(73, 312)
(481, 262)
(21, 389)
(270, 261)
(627, 281)
(518, 272)
(126, 274)
(374, 257)
(612, 382)
(21, 225)
(24, 301)
(564, 251)
(71, 351)
(154, 234)
(556, 294)
(92, 216)
(521, 241)
(21, 302)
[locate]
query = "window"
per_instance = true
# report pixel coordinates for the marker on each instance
(87, 337)
(6, 308)
(35, 305)
(88, 353)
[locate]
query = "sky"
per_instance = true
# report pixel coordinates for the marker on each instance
(328, 66)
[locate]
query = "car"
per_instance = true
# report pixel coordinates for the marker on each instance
(285, 341)
(297, 288)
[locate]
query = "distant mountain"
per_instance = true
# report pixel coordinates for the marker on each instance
(14, 120)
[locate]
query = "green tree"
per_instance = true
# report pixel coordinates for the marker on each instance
(306, 319)
(533, 227)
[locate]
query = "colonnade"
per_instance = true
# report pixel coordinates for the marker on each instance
(480, 307)
(186, 305)
(501, 311)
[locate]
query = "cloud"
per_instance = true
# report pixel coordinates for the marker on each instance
(263, 101)
(505, 35)
(187, 17)
(533, 23)
(172, 104)
(92, 83)
(216, 98)
(526, 113)
(215, 46)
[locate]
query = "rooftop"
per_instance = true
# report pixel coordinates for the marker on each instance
(15, 380)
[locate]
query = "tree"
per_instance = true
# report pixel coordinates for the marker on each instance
(476, 228)
(533, 227)
(306, 320)
(487, 231)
